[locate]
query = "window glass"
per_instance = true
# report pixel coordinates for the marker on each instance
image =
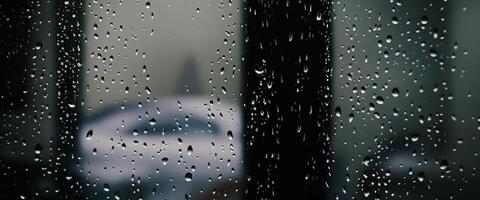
(223, 99)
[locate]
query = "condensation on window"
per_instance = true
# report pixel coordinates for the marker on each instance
(224, 99)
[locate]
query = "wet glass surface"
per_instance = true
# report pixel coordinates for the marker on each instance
(223, 99)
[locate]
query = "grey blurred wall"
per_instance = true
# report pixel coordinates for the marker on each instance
(187, 48)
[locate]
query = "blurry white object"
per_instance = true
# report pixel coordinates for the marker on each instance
(172, 147)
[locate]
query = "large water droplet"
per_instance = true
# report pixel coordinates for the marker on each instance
(38, 149)
(38, 45)
(394, 20)
(188, 177)
(380, 100)
(338, 111)
(395, 92)
(89, 134)
(135, 132)
(152, 121)
(424, 20)
(230, 135)
(164, 161)
(421, 176)
(189, 150)
(443, 164)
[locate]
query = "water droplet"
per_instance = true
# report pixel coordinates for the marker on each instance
(224, 90)
(414, 137)
(388, 39)
(421, 176)
(424, 20)
(433, 53)
(338, 111)
(319, 16)
(38, 149)
(38, 45)
(164, 161)
(394, 20)
(189, 150)
(188, 177)
(230, 135)
(395, 92)
(443, 164)
(366, 194)
(259, 69)
(135, 132)
(116, 196)
(380, 100)
(366, 160)
(152, 121)
(89, 134)
(350, 117)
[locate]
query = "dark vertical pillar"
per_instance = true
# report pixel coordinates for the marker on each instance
(287, 98)
(14, 56)
(69, 40)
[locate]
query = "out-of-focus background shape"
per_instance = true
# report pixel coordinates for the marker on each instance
(171, 47)
(404, 95)
(170, 71)
(98, 94)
